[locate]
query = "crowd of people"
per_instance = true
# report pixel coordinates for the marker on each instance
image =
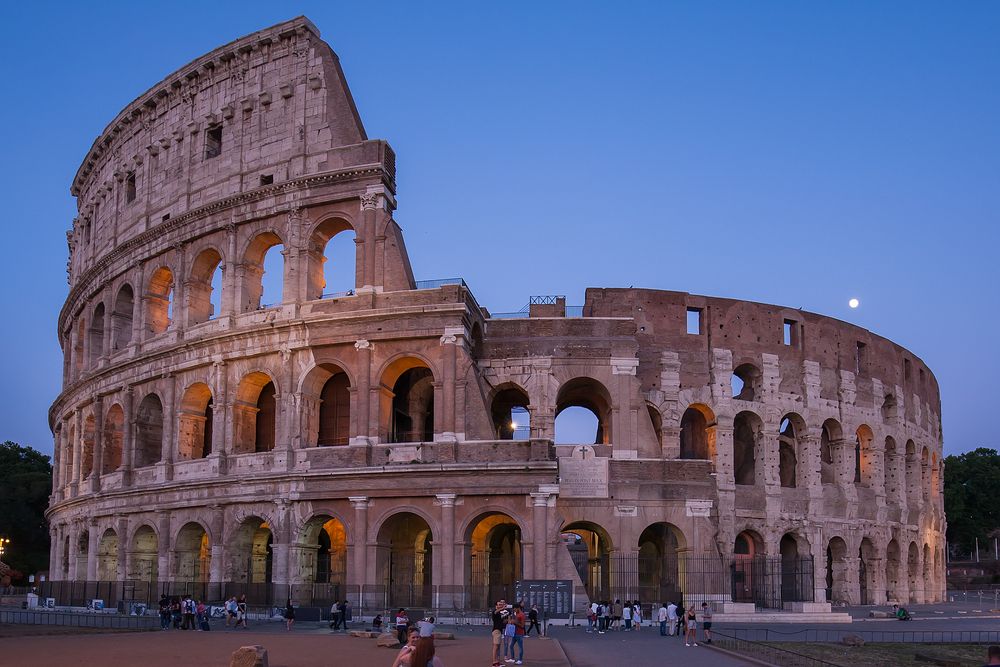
(186, 613)
(615, 616)
(417, 640)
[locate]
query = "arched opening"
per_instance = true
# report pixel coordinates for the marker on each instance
(322, 557)
(698, 428)
(660, 571)
(747, 584)
(159, 301)
(863, 464)
(326, 392)
(144, 557)
(913, 570)
(194, 438)
(121, 318)
(573, 425)
(192, 554)
(263, 273)
(148, 431)
(254, 414)
(113, 439)
(203, 301)
(893, 579)
(590, 547)
(405, 560)
(107, 556)
(87, 447)
(509, 410)
(251, 558)
(408, 401)
(867, 561)
(889, 408)
(889, 459)
(790, 427)
(747, 429)
(830, 434)
(796, 569)
(745, 383)
(96, 336)
(838, 588)
(333, 253)
(495, 558)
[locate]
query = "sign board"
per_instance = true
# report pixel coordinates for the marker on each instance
(554, 597)
(583, 474)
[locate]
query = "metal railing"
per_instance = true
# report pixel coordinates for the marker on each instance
(870, 636)
(767, 653)
(78, 620)
(439, 282)
(337, 295)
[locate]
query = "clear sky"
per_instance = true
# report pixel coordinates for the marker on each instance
(793, 153)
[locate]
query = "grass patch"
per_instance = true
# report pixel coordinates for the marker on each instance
(880, 655)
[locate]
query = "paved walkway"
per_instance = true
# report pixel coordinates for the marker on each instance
(645, 647)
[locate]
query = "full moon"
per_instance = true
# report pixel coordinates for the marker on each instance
(853, 303)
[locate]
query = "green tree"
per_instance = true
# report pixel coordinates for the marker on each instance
(25, 484)
(971, 481)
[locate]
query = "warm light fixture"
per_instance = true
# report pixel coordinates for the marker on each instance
(513, 425)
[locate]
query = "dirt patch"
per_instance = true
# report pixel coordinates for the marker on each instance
(879, 655)
(12, 631)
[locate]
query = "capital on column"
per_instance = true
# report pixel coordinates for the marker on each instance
(359, 502)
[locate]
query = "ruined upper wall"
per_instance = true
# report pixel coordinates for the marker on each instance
(269, 107)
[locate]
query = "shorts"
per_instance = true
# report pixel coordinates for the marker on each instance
(497, 636)
(707, 625)
(232, 614)
(692, 625)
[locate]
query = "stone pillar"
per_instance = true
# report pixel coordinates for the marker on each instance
(818, 548)
(98, 466)
(55, 553)
(169, 429)
(357, 573)
(128, 437)
(539, 534)
(447, 503)
(767, 458)
(57, 444)
(121, 527)
(93, 543)
(227, 305)
(74, 548)
(179, 312)
(450, 341)
(106, 341)
(362, 434)
(78, 438)
(279, 545)
(165, 546)
(369, 205)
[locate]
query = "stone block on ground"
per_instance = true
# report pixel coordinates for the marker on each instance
(444, 635)
(387, 640)
(878, 614)
(852, 640)
(249, 656)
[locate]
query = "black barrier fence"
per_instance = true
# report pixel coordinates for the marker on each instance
(872, 636)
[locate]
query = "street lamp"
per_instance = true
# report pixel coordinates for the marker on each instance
(4, 541)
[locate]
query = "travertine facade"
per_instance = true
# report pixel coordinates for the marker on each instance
(364, 440)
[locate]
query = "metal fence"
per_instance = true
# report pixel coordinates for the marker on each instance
(874, 636)
(767, 653)
(77, 620)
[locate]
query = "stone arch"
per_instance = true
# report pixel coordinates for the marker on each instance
(113, 439)
(864, 463)
(838, 579)
(698, 432)
(159, 300)
(330, 231)
(746, 382)
(407, 407)
(143, 556)
(868, 563)
(253, 269)
(404, 559)
(326, 389)
(913, 571)
(96, 347)
(321, 550)
(510, 412)
(660, 568)
(192, 553)
(591, 395)
(88, 437)
(199, 290)
(590, 548)
(107, 556)
(194, 433)
(797, 575)
(791, 428)
(255, 414)
(148, 431)
(894, 577)
(747, 428)
(494, 558)
(830, 434)
(250, 555)
(746, 585)
(122, 317)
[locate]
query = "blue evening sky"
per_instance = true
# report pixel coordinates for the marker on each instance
(793, 153)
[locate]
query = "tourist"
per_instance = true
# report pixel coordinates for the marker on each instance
(402, 622)
(241, 612)
(342, 615)
(509, 631)
(201, 616)
(175, 612)
(187, 613)
(499, 618)
(992, 656)
(637, 615)
(691, 628)
(335, 615)
(533, 621)
(627, 615)
(706, 621)
(605, 616)
(406, 652)
(662, 616)
(426, 626)
(377, 623)
(289, 616)
(616, 615)
(423, 654)
(672, 618)
(348, 614)
(518, 638)
(591, 618)
(900, 613)
(164, 612)
(230, 610)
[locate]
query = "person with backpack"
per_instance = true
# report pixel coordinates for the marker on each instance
(230, 610)
(187, 611)
(164, 612)
(241, 612)
(201, 616)
(533, 621)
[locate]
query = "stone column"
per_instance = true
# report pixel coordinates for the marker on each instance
(93, 543)
(279, 545)
(169, 429)
(179, 315)
(78, 438)
(106, 341)
(363, 432)
(128, 436)
(357, 574)
(98, 466)
(539, 533)
(121, 527)
(370, 202)
(165, 546)
(447, 503)
(227, 305)
(74, 548)
(57, 444)
(819, 567)
(55, 553)
(450, 342)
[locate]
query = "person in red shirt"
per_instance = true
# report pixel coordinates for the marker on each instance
(518, 639)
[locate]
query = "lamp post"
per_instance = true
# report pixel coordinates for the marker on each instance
(4, 541)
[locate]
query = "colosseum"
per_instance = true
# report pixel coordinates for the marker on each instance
(397, 444)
